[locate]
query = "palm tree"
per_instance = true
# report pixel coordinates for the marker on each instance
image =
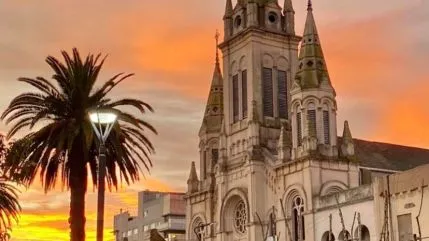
(9, 206)
(64, 147)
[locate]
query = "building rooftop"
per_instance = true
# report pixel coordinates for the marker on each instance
(389, 156)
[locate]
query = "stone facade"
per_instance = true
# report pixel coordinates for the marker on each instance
(271, 163)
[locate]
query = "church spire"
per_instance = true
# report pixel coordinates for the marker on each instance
(347, 146)
(228, 9)
(312, 70)
(214, 107)
(284, 145)
(289, 16)
(193, 179)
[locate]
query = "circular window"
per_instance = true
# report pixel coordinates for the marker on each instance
(237, 21)
(272, 17)
(240, 217)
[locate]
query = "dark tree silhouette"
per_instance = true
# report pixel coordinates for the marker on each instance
(64, 147)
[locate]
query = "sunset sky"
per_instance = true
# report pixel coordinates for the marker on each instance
(377, 54)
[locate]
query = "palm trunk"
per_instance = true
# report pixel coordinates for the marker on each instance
(77, 208)
(78, 184)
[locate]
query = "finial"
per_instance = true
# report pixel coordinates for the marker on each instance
(309, 6)
(217, 35)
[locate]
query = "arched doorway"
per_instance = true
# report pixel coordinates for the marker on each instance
(325, 236)
(344, 236)
(364, 233)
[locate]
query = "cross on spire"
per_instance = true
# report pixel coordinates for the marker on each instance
(217, 35)
(309, 5)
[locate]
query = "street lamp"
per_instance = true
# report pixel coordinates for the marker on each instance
(102, 122)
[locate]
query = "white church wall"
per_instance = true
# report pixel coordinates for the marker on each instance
(366, 210)
(406, 202)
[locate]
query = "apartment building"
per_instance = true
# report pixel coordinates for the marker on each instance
(156, 210)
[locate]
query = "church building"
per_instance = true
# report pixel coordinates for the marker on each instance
(272, 166)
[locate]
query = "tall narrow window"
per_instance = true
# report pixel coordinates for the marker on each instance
(267, 86)
(215, 155)
(235, 97)
(282, 94)
(244, 93)
(204, 164)
(299, 128)
(311, 119)
(298, 219)
(326, 127)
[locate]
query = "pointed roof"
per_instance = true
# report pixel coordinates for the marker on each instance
(347, 134)
(288, 6)
(228, 8)
(312, 70)
(214, 108)
(193, 174)
(284, 138)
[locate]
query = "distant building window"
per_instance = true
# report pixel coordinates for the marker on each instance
(244, 93)
(267, 88)
(130, 232)
(152, 226)
(326, 127)
(311, 120)
(136, 231)
(282, 94)
(299, 128)
(124, 234)
(145, 213)
(235, 98)
(145, 228)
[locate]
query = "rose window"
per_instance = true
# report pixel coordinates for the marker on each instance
(240, 217)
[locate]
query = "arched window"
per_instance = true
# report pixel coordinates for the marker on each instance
(326, 236)
(311, 120)
(240, 217)
(298, 219)
(299, 128)
(326, 125)
(364, 233)
(344, 236)
(197, 233)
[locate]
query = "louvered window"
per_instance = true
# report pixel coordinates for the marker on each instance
(311, 120)
(204, 164)
(299, 128)
(282, 94)
(215, 155)
(244, 92)
(235, 97)
(326, 127)
(267, 85)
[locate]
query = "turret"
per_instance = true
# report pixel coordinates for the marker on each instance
(212, 122)
(347, 145)
(227, 20)
(193, 180)
(313, 102)
(284, 146)
(289, 17)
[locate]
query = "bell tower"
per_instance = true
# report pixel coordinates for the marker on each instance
(260, 52)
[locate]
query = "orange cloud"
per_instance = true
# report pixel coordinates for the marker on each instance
(405, 118)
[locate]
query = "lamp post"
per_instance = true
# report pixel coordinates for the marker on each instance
(102, 123)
